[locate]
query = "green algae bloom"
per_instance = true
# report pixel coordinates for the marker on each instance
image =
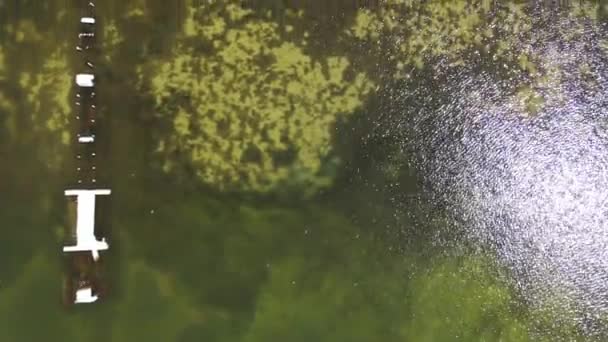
(145, 290)
(435, 34)
(40, 88)
(2, 64)
(7, 104)
(43, 86)
(47, 102)
(250, 110)
(146, 287)
(423, 31)
(462, 298)
(112, 38)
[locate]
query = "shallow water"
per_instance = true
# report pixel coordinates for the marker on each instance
(457, 210)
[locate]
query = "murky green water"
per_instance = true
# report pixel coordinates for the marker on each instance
(267, 184)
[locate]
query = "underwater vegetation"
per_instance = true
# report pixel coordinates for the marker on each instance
(248, 108)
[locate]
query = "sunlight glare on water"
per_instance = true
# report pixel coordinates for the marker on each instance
(530, 187)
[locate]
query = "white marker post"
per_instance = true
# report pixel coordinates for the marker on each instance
(85, 222)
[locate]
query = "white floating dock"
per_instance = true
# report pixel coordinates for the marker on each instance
(85, 80)
(85, 222)
(87, 20)
(85, 296)
(86, 139)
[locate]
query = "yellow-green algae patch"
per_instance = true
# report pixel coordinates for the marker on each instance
(137, 8)
(413, 34)
(48, 106)
(7, 104)
(251, 110)
(112, 38)
(437, 28)
(2, 64)
(39, 285)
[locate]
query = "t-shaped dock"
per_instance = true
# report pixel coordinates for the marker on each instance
(85, 222)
